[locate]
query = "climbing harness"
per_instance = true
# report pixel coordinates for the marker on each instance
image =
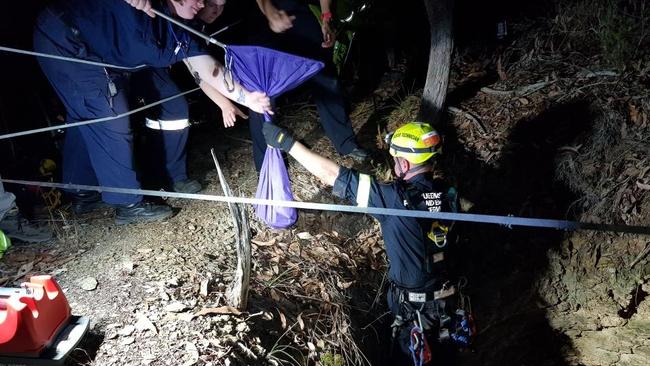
(462, 327)
(419, 347)
(445, 291)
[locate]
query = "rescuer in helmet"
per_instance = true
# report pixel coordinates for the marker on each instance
(421, 295)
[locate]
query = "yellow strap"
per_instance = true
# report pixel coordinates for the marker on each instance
(438, 234)
(363, 190)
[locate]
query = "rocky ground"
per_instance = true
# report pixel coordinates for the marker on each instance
(538, 128)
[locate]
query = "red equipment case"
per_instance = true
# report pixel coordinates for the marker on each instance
(36, 325)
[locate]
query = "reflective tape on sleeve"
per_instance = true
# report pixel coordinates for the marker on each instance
(363, 190)
(168, 125)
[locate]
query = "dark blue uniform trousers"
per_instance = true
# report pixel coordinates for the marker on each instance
(94, 154)
(304, 39)
(168, 125)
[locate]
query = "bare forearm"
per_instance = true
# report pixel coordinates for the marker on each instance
(211, 72)
(325, 6)
(215, 95)
(326, 170)
(265, 6)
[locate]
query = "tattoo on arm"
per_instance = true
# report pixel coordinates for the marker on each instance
(241, 99)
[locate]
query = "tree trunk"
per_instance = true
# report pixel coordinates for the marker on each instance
(440, 13)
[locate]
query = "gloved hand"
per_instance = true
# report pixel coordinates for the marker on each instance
(277, 137)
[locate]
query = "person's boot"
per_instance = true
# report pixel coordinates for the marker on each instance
(187, 186)
(141, 212)
(84, 202)
(15, 226)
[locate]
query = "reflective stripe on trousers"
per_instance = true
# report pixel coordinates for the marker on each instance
(168, 125)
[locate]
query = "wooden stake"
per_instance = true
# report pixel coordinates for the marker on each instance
(237, 294)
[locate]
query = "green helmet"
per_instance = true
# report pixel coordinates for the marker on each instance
(416, 142)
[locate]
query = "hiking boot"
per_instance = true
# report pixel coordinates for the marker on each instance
(84, 202)
(15, 226)
(358, 154)
(187, 186)
(141, 212)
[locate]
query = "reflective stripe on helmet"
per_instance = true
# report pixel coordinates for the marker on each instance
(363, 190)
(414, 150)
(414, 141)
(168, 125)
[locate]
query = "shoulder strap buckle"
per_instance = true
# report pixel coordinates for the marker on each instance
(438, 234)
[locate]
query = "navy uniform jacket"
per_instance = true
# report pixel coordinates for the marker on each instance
(404, 237)
(116, 33)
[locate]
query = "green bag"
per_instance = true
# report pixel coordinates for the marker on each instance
(5, 243)
(344, 36)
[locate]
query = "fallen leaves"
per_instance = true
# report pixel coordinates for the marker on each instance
(175, 307)
(25, 269)
(126, 331)
(192, 354)
(636, 115)
(143, 323)
(222, 310)
(283, 320)
(643, 186)
(304, 236)
(312, 305)
(264, 243)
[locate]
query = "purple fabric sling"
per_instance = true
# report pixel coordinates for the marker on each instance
(272, 72)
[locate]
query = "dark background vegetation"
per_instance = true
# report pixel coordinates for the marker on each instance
(388, 30)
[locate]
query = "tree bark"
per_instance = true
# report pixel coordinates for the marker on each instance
(440, 14)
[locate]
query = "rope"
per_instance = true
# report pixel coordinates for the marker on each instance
(225, 28)
(188, 28)
(71, 59)
(451, 216)
(82, 61)
(92, 121)
(507, 221)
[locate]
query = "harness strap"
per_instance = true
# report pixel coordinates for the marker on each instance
(419, 347)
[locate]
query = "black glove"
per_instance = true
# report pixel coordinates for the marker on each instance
(277, 137)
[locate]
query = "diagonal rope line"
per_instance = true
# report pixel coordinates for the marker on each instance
(97, 120)
(451, 216)
(70, 59)
(188, 28)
